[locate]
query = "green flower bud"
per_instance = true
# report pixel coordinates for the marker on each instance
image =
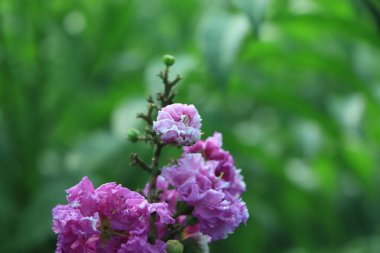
(174, 246)
(133, 135)
(197, 243)
(168, 60)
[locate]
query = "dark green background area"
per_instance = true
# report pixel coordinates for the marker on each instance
(293, 85)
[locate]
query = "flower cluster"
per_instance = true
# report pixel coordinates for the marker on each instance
(110, 218)
(185, 205)
(215, 198)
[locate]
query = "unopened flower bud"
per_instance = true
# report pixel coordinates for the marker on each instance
(133, 135)
(174, 246)
(196, 243)
(168, 60)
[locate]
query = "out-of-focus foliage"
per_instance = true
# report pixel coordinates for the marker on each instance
(293, 85)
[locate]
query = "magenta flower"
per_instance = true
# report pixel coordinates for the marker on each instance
(108, 219)
(211, 149)
(196, 182)
(178, 124)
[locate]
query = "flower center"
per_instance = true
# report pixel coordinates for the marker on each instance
(185, 120)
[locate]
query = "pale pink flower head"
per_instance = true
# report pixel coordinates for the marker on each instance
(178, 124)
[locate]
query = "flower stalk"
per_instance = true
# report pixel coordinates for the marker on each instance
(163, 99)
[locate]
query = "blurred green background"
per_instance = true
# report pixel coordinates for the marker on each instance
(293, 85)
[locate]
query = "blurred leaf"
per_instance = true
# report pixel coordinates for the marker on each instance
(93, 151)
(220, 37)
(255, 10)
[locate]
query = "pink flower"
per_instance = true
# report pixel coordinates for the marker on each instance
(179, 124)
(108, 219)
(196, 182)
(211, 149)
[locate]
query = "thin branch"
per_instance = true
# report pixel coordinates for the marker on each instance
(135, 160)
(152, 193)
(156, 155)
(177, 229)
(166, 98)
(153, 228)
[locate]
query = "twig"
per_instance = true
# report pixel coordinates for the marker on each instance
(153, 228)
(135, 160)
(165, 98)
(177, 229)
(152, 194)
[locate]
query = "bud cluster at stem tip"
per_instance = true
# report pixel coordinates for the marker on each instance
(174, 246)
(168, 60)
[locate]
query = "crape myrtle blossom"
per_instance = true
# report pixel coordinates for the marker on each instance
(211, 150)
(178, 124)
(185, 205)
(108, 219)
(197, 183)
